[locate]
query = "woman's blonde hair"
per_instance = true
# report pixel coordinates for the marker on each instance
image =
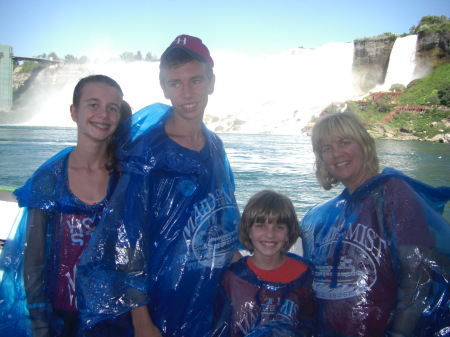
(342, 125)
(272, 207)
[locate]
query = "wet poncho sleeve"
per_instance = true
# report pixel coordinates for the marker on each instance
(23, 288)
(168, 233)
(390, 231)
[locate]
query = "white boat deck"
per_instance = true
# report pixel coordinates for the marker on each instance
(8, 210)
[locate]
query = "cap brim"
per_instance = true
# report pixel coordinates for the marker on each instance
(196, 56)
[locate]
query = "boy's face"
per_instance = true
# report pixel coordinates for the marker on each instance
(188, 88)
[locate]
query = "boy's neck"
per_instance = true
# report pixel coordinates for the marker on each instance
(186, 133)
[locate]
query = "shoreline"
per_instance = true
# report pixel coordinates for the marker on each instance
(385, 132)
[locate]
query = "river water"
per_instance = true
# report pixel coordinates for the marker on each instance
(280, 162)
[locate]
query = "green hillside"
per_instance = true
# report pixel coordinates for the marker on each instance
(421, 112)
(431, 90)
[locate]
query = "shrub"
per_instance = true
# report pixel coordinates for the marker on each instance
(444, 95)
(421, 124)
(353, 107)
(424, 90)
(83, 60)
(53, 56)
(382, 37)
(433, 98)
(331, 109)
(384, 108)
(413, 83)
(70, 59)
(30, 66)
(431, 23)
(397, 87)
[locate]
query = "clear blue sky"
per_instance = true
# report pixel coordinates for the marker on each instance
(100, 28)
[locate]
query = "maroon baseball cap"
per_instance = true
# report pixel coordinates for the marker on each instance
(193, 45)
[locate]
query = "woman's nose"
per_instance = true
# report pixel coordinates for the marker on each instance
(336, 151)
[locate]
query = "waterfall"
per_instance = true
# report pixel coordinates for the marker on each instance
(402, 62)
(253, 94)
(280, 93)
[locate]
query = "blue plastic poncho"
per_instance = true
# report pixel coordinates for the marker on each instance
(382, 259)
(168, 233)
(39, 258)
(246, 305)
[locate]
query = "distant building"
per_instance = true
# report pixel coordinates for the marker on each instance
(6, 73)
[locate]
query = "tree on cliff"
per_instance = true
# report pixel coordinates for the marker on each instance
(151, 58)
(428, 24)
(70, 59)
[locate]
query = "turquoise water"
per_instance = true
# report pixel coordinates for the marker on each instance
(280, 162)
(285, 163)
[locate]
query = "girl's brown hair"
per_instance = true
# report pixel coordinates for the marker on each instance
(272, 207)
(125, 110)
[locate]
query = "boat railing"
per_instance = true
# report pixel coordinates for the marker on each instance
(7, 196)
(7, 202)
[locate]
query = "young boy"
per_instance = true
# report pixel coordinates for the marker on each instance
(268, 293)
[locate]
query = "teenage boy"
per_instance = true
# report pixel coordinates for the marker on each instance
(175, 212)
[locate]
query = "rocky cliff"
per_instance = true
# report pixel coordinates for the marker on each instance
(370, 63)
(433, 50)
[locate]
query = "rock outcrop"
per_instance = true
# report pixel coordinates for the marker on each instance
(433, 50)
(370, 63)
